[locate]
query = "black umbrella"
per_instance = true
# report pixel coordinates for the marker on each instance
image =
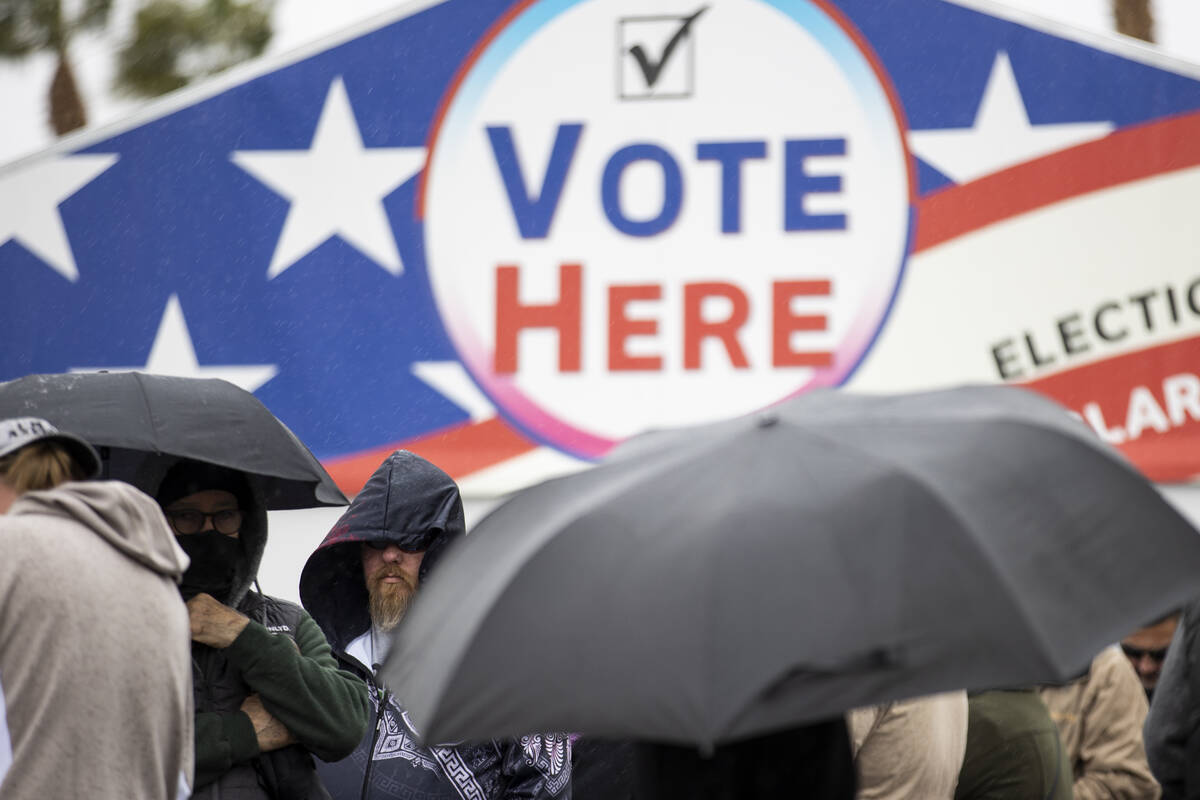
(144, 423)
(717, 582)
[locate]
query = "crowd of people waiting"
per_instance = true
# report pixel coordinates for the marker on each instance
(138, 659)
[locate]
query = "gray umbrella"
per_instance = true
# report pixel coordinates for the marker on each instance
(143, 423)
(716, 582)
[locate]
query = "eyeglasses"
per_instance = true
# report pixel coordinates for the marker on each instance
(384, 544)
(1138, 653)
(188, 521)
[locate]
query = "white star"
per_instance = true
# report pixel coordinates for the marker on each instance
(336, 187)
(29, 198)
(450, 379)
(173, 354)
(1002, 134)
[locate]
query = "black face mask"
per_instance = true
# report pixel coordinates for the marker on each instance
(214, 563)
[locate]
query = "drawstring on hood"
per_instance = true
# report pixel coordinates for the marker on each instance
(407, 501)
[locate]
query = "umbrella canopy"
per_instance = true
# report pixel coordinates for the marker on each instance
(712, 583)
(143, 423)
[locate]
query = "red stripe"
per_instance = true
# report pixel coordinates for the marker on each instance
(1169, 456)
(1130, 154)
(459, 450)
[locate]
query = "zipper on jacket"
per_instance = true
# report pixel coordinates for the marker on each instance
(382, 693)
(214, 788)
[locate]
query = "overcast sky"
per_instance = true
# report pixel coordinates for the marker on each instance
(23, 85)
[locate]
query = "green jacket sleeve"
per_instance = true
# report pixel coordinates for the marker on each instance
(300, 685)
(222, 740)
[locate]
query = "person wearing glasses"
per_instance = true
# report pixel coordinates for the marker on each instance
(1099, 717)
(88, 574)
(268, 693)
(357, 585)
(1146, 649)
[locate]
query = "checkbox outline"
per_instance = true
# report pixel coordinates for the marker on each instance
(622, 53)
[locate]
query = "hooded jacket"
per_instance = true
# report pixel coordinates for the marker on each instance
(95, 679)
(1099, 718)
(412, 503)
(282, 656)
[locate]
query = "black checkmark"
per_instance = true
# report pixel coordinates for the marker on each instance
(651, 69)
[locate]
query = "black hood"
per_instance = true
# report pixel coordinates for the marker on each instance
(408, 501)
(186, 477)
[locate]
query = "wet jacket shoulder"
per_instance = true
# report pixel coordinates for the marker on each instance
(910, 748)
(1013, 751)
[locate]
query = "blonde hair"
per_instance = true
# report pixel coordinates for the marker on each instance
(40, 465)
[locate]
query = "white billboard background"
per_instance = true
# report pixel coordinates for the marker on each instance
(295, 534)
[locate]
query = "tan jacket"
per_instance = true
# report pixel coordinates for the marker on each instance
(1099, 718)
(95, 651)
(909, 749)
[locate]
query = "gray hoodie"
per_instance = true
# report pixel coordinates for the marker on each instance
(95, 656)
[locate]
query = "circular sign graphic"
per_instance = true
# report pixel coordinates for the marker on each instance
(639, 218)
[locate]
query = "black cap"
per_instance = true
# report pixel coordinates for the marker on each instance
(188, 477)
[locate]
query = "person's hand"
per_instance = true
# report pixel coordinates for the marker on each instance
(272, 734)
(214, 623)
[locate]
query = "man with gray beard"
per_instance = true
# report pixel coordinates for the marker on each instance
(357, 585)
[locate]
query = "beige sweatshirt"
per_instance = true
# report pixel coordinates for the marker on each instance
(95, 656)
(1100, 718)
(909, 749)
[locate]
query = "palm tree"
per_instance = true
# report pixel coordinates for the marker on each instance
(1134, 18)
(177, 41)
(32, 26)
